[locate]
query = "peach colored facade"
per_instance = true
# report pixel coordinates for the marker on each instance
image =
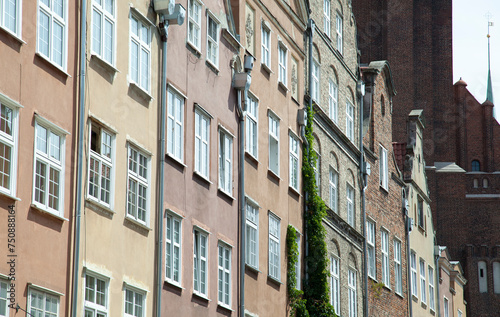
(37, 133)
(451, 285)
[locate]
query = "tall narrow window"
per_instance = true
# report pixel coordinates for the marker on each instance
(420, 211)
(10, 16)
(200, 242)
(212, 40)
(173, 258)
(423, 293)
(251, 123)
(49, 169)
(175, 125)
(370, 244)
(339, 33)
(332, 100)
(398, 274)
(201, 143)
(335, 284)
(432, 303)
(282, 62)
(317, 174)
(385, 258)
(96, 296)
(8, 149)
(333, 185)
(103, 29)
(274, 142)
(266, 46)
(140, 53)
(225, 162)
(446, 307)
(52, 31)
(350, 205)
(294, 162)
(138, 186)
(483, 277)
(496, 277)
(134, 303)
(315, 82)
(353, 306)
(252, 236)
(326, 17)
(413, 268)
(349, 124)
(274, 247)
(224, 297)
(383, 168)
(4, 297)
(42, 304)
(194, 23)
(101, 164)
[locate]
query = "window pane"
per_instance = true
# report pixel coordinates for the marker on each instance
(96, 31)
(43, 33)
(108, 41)
(5, 163)
(57, 43)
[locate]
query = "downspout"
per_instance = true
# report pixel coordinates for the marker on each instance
(436, 275)
(408, 254)
(79, 176)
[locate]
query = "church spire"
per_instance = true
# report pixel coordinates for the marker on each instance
(489, 89)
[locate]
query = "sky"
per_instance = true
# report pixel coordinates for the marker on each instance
(470, 47)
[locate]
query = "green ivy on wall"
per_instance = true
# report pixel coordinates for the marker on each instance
(295, 296)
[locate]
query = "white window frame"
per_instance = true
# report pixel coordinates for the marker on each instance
(17, 18)
(459, 313)
(333, 96)
(11, 141)
(252, 235)
(175, 125)
(53, 19)
(266, 45)
(252, 126)
(43, 296)
(482, 278)
(173, 248)
(335, 283)
(141, 76)
(202, 142)
(92, 305)
(225, 161)
(194, 24)
(294, 162)
(282, 63)
(496, 277)
(51, 163)
(213, 43)
(224, 276)
(351, 218)
(431, 288)
(274, 144)
(315, 72)
(413, 269)
(101, 15)
(352, 299)
(4, 296)
(370, 241)
(383, 168)
(106, 156)
(339, 31)
(274, 255)
(333, 189)
(446, 307)
(398, 273)
(139, 173)
(327, 17)
(349, 123)
(384, 241)
(423, 287)
(138, 303)
(200, 263)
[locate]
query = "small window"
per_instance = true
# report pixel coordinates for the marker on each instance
(483, 279)
(266, 46)
(339, 33)
(274, 247)
(476, 166)
(4, 297)
(138, 186)
(175, 125)
(333, 185)
(173, 244)
(298, 269)
(96, 296)
(101, 164)
(201, 143)
(212, 41)
(423, 292)
(431, 288)
(332, 100)
(420, 212)
(224, 296)
(350, 205)
(349, 126)
(326, 17)
(413, 267)
(274, 140)
(42, 303)
(398, 273)
(103, 29)
(252, 236)
(8, 148)
(485, 183)
(10, 16)
(496, 277)
(446, 307)
(476, 183)
(282, 64)
(353, 297)
(370, 243)
(252, 120)
(225, 162)
(383, 168)
(386, 279)
(194, 23)
(317, 174)
(294, 162)
(200, 241)
(315, 93)
(134, 303)
(335, 284)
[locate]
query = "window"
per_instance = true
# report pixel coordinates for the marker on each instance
(326, 18)
(274, 247)
(333, 184)
(353, 307)
(49, 169)
(200, 263)
(297, 264)
(96, 296)
(134, 303)
(42, 304)
(140, 52)
(282, 54)
(413, 268)
(485, 183)
(431, 288)
(334, 284)
(370, 242)
(225, 162)
(274, 144)
(496, 277)
(194, 24)
(383, 169)
(315, 82)
(252, 236)
(423, 293)
(483, 277)
(212, 40)
(476, 166)
(10, 16)
(339, 33)
(8, 149)
(201, 143)
(4, 297)
(252, 119)
(349, 125)
(101, 165)
(350, 205)
(420, 211)
(266, 46)
(332, 100)
(224, 280)
(138, 186)
(173, 258)
(446, 307)
(103, 29)
(385, 258)
(52, 29)
(317, 174)
(175, 125)
(459, 313)
(294, 162)
(398, 273)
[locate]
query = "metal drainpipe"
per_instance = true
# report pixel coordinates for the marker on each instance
(161, 161)
(363, 183)
(241, 186)
(79, 176)
(436, 279)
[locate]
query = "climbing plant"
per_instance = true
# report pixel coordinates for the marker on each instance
(295, 296)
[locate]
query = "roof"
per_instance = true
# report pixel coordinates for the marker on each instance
(448, 167)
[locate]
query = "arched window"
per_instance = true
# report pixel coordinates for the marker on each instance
(485, 183)
(476, 183)
(476, 166)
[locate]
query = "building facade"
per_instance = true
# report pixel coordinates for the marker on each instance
(451, 285)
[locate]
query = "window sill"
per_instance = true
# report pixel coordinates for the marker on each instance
(174, 284)
(423, 305)
(252, 268)
(294, 190)
(274, 280)
(194, 49)
(99, 208)
(226, 193)
(273, 175)
(202, 177)
(143, 93)
(14, 35)
(8, 195)
(176, 160)
(137, 223)
(399, 294)
(104, 63)
(59, 68)
(211, 65)
(282, 86)
(266, 68)
(225, 307)
(415, 298)
(47, 212)
(251, 157)
(201, 296)
(385, 190)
